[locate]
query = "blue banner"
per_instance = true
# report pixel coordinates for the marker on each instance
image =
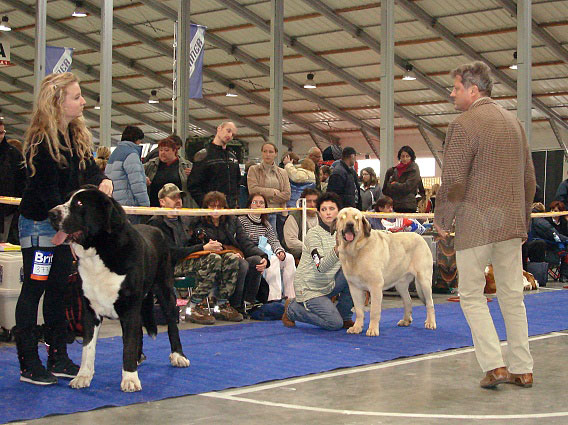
(196, 49)
(58, 59)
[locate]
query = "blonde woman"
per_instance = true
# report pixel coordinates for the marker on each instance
(305, 173)
(103, 154)
(269, 180)
(58, 152)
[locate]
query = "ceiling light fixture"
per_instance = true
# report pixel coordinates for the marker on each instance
(514, 64)
(79, 11)
(153, 97)
(310, 83)
(4, 25)
(409, 74)
(98, 105)
(231, 91)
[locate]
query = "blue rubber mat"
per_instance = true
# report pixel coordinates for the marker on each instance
(239, 355)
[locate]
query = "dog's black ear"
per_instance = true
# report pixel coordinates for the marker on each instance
(115, 215)
(366, 227)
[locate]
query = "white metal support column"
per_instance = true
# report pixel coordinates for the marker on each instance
(524, 65)
(276, 72)
(183, 42)
(105, 80)
(387, 87)
(39, 64)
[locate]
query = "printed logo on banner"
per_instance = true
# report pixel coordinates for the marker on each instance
(42, 265)
(4, 50)
(58, 59)
(196, 48)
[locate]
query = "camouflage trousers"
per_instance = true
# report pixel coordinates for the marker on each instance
(213, 273)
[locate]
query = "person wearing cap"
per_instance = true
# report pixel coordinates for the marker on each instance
(344, 181)
(126, 171)
(213, 272)
(168, 167)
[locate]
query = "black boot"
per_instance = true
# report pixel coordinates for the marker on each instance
(58, 362)
(31, 368)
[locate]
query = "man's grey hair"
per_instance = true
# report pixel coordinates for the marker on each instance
(475, 74)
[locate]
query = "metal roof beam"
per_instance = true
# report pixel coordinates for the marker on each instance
(541, 33)
(360, 34)
(331, 67)
(91, 94)
(30, 89)
(265, 70)
(90, 70)
(449, 37)
(167, 51)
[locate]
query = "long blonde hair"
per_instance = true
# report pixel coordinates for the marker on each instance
(44, 124)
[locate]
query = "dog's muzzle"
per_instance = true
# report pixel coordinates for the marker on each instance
(348, 232)
(56, 216)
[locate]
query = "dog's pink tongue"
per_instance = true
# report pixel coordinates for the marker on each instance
(349, 236)
(59, 238)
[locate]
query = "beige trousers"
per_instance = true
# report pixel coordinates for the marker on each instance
(507, 267)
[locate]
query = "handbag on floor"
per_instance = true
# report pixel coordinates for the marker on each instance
(539, 271)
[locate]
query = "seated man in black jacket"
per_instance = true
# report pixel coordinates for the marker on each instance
(215, 271)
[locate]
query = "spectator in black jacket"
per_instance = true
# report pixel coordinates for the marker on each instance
(344, 181)
(216, 168)
(227, 230)
(59, 158)
(12, 181)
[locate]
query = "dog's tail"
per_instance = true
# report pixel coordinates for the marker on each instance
(148, 319)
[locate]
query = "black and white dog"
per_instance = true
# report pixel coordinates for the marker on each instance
(119, 265)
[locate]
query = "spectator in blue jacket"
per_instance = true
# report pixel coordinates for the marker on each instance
(126, 171)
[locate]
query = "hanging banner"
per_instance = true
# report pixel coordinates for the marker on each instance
(4, 50)
(196, 49)
(58, 59)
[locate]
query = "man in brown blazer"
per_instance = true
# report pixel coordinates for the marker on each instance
(488, 185)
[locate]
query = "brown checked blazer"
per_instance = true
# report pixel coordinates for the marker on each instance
(488, 179)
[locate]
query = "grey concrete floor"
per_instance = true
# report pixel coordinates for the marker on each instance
(438, 388)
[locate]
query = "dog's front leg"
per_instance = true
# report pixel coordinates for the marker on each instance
(358, 296)
(131, 341)
(91, 326)
(376, 304)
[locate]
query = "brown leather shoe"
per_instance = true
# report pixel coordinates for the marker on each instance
(348, 323)
(495, 377)
(524, 380)
(285, 319)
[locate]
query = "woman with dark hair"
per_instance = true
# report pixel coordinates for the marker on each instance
(402, 181)
(227, 230)
(560, 223)
(319, 277)
(168, 167)
(370, 189)
(259, 229)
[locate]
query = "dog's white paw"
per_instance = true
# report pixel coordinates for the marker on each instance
(81, 381)
(372, 332)
(430, 325)
(355, 329)
(177, 360)
(130, 382)
(404, 322)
